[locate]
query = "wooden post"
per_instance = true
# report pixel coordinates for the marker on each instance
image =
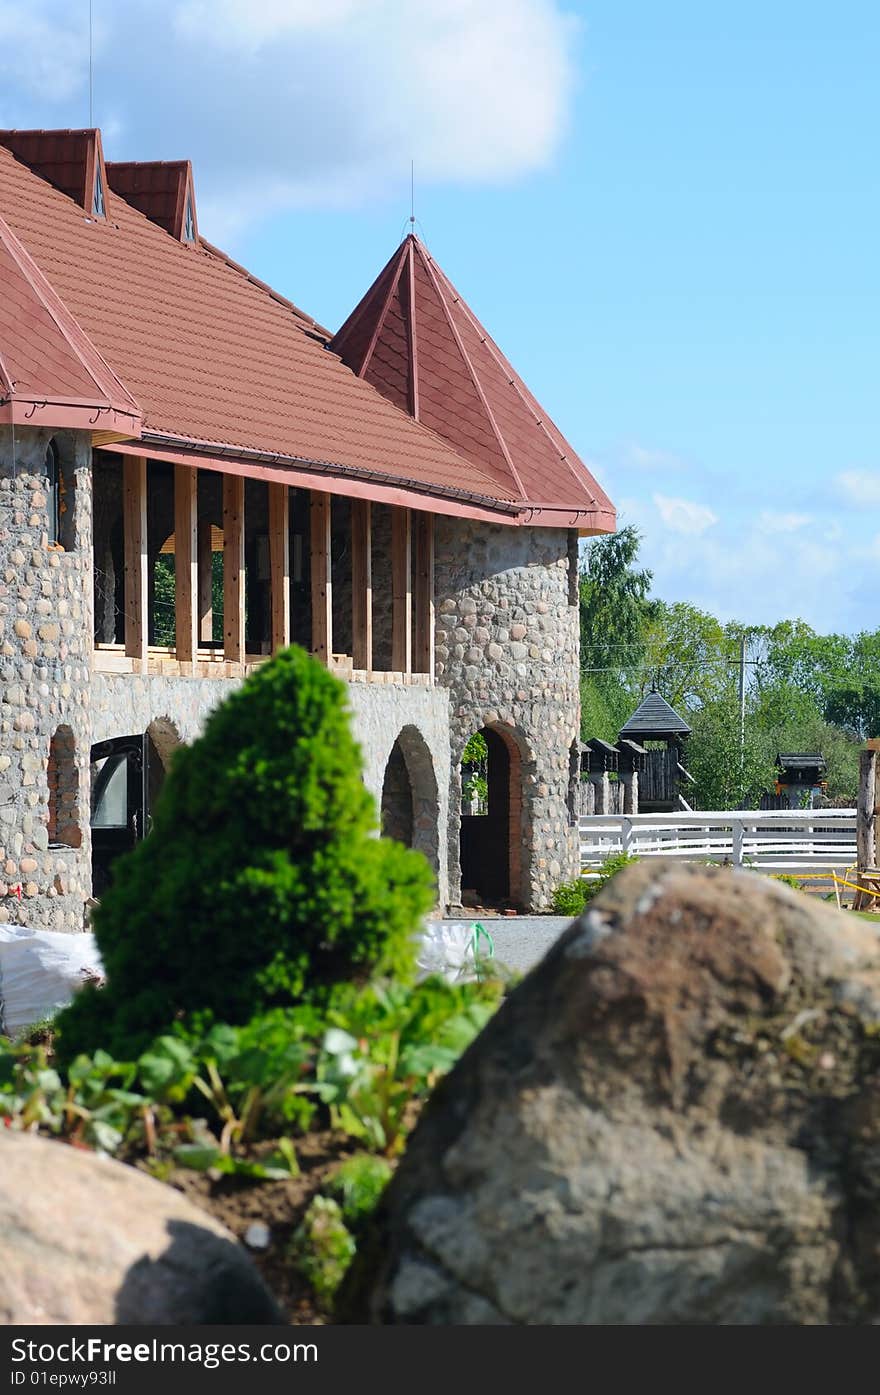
(601, 787)
(206, 583)
(233, 568)
(401, 591)
(361, 585)
(134, 527)
(423, 642)
(322, 577)
(865, 823)
(737, 841)
(279, 565)
(186, 562)
(630, 781)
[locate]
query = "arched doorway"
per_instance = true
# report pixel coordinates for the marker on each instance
(410, 806)
(491, 819)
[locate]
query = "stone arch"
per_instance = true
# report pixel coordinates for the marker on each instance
(65, 827)
(494, 849)
(410, 805)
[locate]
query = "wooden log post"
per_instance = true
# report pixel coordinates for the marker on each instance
(233, 568)
(322, 579)
(134, 528)
(279, 565)
(602, 791)
(423, 641)
(866, 840)
(401, 591)
(206, 582)
(630, 781)
(361, 585)
(186, 562)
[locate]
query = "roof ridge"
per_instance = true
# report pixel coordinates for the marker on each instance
(513, 377)
(428, 263)
(71, 331)
(380, 318)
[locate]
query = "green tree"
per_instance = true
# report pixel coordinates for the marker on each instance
(261, 882)
(614, 609)
(726, 774)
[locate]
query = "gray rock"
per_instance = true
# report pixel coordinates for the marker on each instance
(675, 1118)
(84, 1239)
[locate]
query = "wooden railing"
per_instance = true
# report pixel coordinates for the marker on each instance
(777, 840)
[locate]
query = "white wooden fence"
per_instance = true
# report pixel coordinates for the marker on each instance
(773, 840)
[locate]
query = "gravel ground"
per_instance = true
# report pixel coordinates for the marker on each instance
(520, 941)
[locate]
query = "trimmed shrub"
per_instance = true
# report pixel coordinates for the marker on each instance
(262, 882)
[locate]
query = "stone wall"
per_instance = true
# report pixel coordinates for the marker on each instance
(127, 704)
(507, 648)
(45, 651)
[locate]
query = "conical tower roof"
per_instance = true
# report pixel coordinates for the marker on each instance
(654, 719)
(415, 340)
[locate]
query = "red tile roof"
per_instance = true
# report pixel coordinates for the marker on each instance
(50, 372)
(414, 338)
(226, 371)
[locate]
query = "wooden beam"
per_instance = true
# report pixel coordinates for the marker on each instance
(423, 642)
(206, 583)
(401, 590)
(279, 564)
(233, 568)
(361, 585)
(186, 561)
(134, 527)
(322, 582)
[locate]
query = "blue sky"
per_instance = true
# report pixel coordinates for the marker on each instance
(666, 215)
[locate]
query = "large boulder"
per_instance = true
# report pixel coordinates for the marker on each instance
(84, 1239)
(674, 1119)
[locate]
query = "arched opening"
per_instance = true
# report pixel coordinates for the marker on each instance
(410, 803)
(53, 494)
(491, 819)
(65, 829)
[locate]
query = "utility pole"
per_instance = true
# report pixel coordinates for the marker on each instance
(742, 694)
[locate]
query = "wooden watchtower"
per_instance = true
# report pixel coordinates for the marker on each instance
(662, 733)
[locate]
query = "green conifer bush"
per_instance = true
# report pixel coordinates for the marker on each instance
(262, 881)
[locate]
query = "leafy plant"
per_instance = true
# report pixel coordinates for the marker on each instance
(323, 1247)
(261, 882)
(570, 898)
(385, 1049)
(359, 1184)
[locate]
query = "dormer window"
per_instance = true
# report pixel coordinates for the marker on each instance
(189, 222)
(98, 201)
(53, 494)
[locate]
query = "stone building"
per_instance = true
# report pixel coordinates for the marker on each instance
(193, 473)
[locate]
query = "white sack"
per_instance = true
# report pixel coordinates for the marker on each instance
(453, 949)
(40, 970)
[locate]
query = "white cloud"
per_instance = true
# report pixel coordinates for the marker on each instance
(292, 103)
(646, 458)
(769, 522)
(860, 486)
(683, 515)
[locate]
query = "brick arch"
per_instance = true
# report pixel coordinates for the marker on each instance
(410, 804)
(65, 824)
(495, 848)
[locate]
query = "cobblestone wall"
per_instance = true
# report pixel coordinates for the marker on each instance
(45, 649)
(126, 705)
(507, 649)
